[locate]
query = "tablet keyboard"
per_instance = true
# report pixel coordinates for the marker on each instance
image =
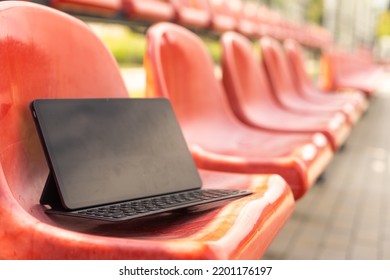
(154, 205)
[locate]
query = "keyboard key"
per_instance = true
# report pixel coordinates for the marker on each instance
(144, 207)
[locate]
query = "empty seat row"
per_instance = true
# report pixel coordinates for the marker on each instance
(251, 19)
(259, 120)
(340, 69)
(99, 7)
(37, 63)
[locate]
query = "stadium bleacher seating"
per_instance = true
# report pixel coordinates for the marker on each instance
(251, 98)
(206, 16)
(265, 126)
(246, 19)
(179, 67)
(148, 10)
(222, 16)
(357, 101)
(94, 7)
(284, 90)
(192, 13)
(78, 65)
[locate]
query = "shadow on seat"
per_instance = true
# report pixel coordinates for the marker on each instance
(250, 96)
(61, 58)
(179, 67)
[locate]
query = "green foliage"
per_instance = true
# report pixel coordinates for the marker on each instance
(315, 11)
(214, 49)
(129, 47)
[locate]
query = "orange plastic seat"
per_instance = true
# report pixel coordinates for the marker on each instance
(77, 65)
(179, 67)
(250, 96)
(354, 101)
(149, 10)
(101, 7)
(284, 90)
(192, 13)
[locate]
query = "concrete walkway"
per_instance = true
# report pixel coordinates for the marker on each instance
(347, 214)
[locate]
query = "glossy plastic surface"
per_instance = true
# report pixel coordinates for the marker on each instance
(280, 76)
(179, 67)
(77, 65)
(248, 90)
(192, 13)
(104, 7)
(354, 103)
(149, 10)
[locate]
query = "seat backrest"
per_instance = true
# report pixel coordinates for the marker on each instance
(227, 7)
(244, 78)
(103, 7)
(334, 64)
(202, 5)
(44, 53)
(277, 66)
(294, 54)
(325, 77)
(247, 20)
(178, 66)
(230, 8)
(223, 18)
(149, 10)
(193, 13)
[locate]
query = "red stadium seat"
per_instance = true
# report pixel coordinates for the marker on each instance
(149, 10)
(278, 69)
(179, 67)
(267, 21)
(354, 101)
(247, 20)
(317, 37)
(223, 17)
(271, 23)
(193, 13)
(228, 15)
(250, 96)
(101, 7)
(77, 65)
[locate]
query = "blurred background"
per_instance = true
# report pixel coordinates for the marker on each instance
(351, 24)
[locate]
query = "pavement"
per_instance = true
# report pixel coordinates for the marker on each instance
(346, 215)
